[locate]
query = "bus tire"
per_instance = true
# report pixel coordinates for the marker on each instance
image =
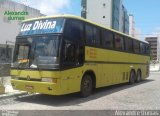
(138, 76)
(132, 77)
(86, 86)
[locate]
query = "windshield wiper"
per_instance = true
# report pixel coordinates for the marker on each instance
(22, 65)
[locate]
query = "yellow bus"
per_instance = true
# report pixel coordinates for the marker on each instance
(64, 54)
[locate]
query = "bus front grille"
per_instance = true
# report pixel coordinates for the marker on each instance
(29, 79)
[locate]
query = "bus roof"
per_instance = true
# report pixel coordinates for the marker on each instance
(80, 18)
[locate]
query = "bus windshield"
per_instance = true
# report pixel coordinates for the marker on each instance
(37, 52)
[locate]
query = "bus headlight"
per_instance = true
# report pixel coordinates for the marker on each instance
(53, 80)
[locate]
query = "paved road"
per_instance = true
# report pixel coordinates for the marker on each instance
(141, 96)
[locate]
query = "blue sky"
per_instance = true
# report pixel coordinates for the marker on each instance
(146, 13)
(75, 8)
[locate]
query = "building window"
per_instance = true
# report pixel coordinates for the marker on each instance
(5, 55)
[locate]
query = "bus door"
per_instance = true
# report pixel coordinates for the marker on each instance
(72, 60)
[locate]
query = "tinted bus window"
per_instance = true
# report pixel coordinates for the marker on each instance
(147, 49)
(96, 35)
(92, 35)
(142, 48)
(73, 53)
(119, 44)
(73, 30)
(107, 39)
(69, 53)
(136, 46)
(128, 45)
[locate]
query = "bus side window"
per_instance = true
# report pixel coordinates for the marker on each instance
(128, 44)
(96, 36)
(136, 46)
(142, 48)
(147, 49)
(73, 30)
(73, 53)
(119, 42)
(107, 39)
(79, 54)
(92, 35)
(69, 51)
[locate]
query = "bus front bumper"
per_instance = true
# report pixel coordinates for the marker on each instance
(36, 87)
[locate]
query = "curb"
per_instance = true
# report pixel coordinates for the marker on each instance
(155, 71)
(5, 96)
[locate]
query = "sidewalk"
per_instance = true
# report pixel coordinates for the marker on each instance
(154, 68)
(9, 92)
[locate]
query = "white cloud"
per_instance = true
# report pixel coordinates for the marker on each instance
(157, 30)
(48, 7)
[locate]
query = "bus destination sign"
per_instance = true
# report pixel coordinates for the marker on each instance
(41, 27)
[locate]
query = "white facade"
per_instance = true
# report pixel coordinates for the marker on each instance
(158, 49)
(100, 11)
(9, 28)
(109, 13)
(154, 42)
(131, 26)
(137, 33)
(121, 17)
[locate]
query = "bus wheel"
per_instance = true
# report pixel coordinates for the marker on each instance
(86, 86)
(138, 79)
(132, 77)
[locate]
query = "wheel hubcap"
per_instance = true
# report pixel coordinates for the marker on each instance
(86, 85)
